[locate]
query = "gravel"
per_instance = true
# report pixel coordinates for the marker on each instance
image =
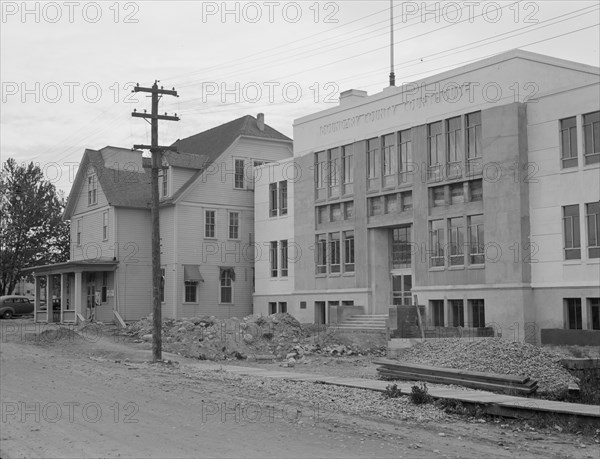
(494, 355)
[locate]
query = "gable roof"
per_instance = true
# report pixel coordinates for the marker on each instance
(122, 188)
(213, 142)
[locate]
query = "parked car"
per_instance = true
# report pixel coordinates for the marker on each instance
(15, 305)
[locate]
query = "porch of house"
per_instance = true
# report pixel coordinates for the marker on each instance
(75, 291)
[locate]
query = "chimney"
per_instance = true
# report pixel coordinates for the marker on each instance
(352, 95)
(260, 121)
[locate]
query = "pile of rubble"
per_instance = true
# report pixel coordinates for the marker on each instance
(278, 336)
(494, 355)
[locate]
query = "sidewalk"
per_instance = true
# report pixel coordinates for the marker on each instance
(492, 403)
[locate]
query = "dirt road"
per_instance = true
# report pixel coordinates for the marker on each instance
(78, 397)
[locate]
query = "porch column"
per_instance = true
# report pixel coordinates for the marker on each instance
(63, 295)
(49, 311)
(36, 301)
(77, 303)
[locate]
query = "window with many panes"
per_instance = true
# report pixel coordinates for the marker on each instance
(405, 152)
(437, 312)
(592, 216)
(407, 202)
(283, 198)
(591, 137)
(435, 146)
(568, 142)
(321, 253)
(374, 205)
(473, 142)
(390, 166)
(234, 225)
(372, 158)
(209, 223)
(476, 241)
(334, 253)
(238, 177)
(333, 172)
(573, 314)
(476, 190)
(273, 199)
(477, 313)
(226, 287)
(456, 240)
(436, 242)
(283, 248)
(454, 140)
(348, 251)
(572, 239)
(401, 247)
(92, 189)
(320, 161)
(347, 169)
(457, 193)
(273, 258)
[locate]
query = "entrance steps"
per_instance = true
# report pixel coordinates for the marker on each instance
(374, 322)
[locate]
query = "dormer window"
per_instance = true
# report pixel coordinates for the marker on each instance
(92, 189)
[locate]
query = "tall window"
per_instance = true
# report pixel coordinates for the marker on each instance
(401, 247)
(572, 240)
(284, 257)
(390, 166)
(401, 288)
(162, 175)
(434, 146)
(104, 290)
(273, 258)
(162, 285)
(78, 236)
(456, 239)
(573, 313)
(92, 189)
(209, 223)
(273, 199)
(333, 171)
(283, 200)
(405, 151)
(436, 241)
(348, 251)
(592, 216)
(476, 241)
(334, 252)
(321, 253)
(320, 169)
(473, 141)
(347, 169)
(454, 140)
(568, 142)
(457, 313)
(591, 137)
(234, 225)
(437, 312)
(477, 313)
(190, 291)
(372, 158)
(226, 280)
(594, 321)
(104, 226)
(238, 180)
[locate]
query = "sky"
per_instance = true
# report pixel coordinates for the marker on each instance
(68, 68)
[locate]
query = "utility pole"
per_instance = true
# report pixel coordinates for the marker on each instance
(156, 151)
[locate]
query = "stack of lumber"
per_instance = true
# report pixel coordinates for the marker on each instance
(393, 370)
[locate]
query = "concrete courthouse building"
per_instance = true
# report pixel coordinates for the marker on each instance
(477, 190)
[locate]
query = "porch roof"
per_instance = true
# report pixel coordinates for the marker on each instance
(74, 266)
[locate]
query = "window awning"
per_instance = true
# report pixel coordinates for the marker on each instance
(192, 273)
(229, 269)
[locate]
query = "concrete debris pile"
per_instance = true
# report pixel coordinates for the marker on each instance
(494, 355)
(278, 336)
